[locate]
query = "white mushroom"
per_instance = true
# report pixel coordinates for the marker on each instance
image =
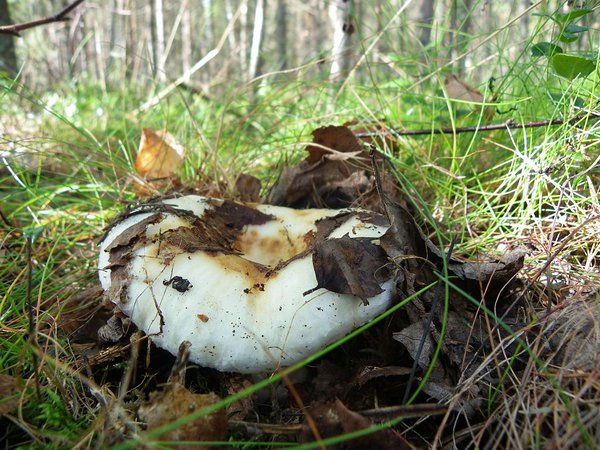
(238, 280)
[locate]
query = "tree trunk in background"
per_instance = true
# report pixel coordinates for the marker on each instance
(114, 34)
(186, 40)
(304, 48)
(99, 41)
(133, 40)
(340, 13)
(457, 36)
(281, 33)
(157, 29)
(463, 38)
(207, 45)
(231, 39)
(452, 10)
(207, 35)
(244, 36)
(76, 63)
(8, 57)
(525, 20)
(129, 44)
(257, 34)
(426, 19)
(319, 45)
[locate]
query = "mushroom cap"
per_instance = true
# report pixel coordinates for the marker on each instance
(236, 280)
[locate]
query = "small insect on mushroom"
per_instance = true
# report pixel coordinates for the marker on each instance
(271, 285)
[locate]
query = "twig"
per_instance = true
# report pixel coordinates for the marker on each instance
(32, 328)
(5, 219)
(60, 16)
(496, 126)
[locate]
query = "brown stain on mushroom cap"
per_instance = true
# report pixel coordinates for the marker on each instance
(254, 272)
(270, 249)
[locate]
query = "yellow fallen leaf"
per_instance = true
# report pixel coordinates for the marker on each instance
(159, 155)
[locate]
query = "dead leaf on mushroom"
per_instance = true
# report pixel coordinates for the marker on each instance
(348, 266)
(159, 155)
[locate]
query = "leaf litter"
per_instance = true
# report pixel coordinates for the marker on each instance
(371, 372)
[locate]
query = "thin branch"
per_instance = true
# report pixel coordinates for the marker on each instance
(5, 219)
(60, 16)
(497, 126)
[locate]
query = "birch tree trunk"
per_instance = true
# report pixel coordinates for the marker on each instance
(186, 40)
(231, 38)
(157, 29)
(207, 35)
(340, 14)
(257, 34)
(243, 36)
(207, 12)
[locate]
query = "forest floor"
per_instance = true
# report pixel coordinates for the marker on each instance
(493, 341)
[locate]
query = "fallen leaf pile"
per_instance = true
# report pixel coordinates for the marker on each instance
(336, 173)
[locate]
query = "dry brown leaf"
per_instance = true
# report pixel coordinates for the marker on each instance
(333, 175)
(348, 266)
(439, 385)
(573, 341)
(10, 394)
(159, 155)
(335, 419)
(176, 402)
(457, 89)
(240, 409)
(337, 138)
(248, 187)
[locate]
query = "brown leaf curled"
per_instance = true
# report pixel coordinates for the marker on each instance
(348, 266)
(159, 155)
(339, 138)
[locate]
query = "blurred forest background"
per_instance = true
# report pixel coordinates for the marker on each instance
(211, 44)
